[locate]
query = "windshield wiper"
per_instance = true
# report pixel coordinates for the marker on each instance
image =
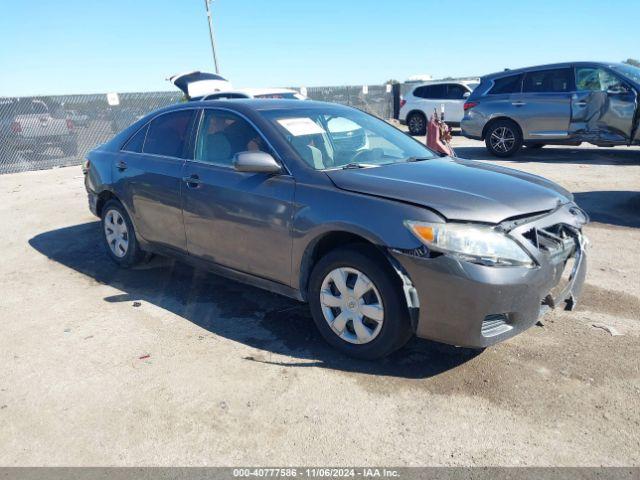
(351, 165)
(417, 159)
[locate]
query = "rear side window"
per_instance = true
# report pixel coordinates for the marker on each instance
(510, 84)
(135, 143)
(431, 91)
(168, 134)
(557, 80)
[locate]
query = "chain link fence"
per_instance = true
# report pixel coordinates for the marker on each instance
(39, 133)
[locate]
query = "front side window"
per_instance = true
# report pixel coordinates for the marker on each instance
(455, 91)
(329, 138)
(168, 134)
(596, 79)
(222, 135)
(545, 81)
(510, 84)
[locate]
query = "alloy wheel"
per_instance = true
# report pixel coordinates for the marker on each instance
(351, 305)
(116, 233)
(502, 139)
(416, 124)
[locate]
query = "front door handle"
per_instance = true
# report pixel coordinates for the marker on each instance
(122, 165)
(518, 104)
(192, 181)
(581, 104)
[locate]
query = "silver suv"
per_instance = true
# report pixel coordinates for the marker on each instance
(560, 104)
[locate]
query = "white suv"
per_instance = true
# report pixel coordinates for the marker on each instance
(418, 105)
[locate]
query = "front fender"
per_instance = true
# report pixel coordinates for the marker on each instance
(379, 221)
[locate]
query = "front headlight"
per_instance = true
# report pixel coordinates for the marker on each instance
(473, 243)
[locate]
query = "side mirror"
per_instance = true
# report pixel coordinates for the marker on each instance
(466, 94)
(256, 162)
(617, 90)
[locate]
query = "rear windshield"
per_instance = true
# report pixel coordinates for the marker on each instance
(286, 95)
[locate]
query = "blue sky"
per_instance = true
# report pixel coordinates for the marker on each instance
(73, 46)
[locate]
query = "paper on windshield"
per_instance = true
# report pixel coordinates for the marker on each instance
(301, 126)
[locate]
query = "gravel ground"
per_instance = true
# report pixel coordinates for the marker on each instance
(166, 365)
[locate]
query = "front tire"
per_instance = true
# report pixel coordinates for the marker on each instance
(417, 123)
(503, 138)
(119, 236)
(356, 304)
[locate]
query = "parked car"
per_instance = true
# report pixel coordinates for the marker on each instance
(78, 119)
(383, 242)
(418, 104)
(559, 104)
(273, 93)
(196, 84)
(27, 124)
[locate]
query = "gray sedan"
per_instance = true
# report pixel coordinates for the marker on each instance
(382, 237)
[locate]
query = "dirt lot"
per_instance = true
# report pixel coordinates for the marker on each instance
(164, 365)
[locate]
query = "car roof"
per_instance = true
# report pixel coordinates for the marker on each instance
(254, 104)
(516, 71)
(441, 82)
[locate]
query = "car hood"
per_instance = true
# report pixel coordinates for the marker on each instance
(457, 189)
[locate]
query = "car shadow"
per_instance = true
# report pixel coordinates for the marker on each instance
(239, 312)
(549, 154)
(621, 208)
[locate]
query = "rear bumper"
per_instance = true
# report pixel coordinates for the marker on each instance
(472, 125)
(19, 142)
(476, 306)
(93, 203)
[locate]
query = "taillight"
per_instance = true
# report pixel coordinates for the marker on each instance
(86, 165)
(69, 124)
(469, 105)
(403, 102)
(16, 127)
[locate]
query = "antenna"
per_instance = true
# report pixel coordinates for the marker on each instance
(207, 5)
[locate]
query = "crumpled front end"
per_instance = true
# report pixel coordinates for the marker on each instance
(473, 305)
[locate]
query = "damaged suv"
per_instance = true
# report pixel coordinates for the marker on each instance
(560, 104)
(384, 241)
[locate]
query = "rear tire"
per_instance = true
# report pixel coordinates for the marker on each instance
(363, 313)
(417, 123)
(503, 138)
(119, 236)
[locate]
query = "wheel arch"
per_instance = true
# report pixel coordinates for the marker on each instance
(327, 241)
(103, 198)
(418, 111)
(497, 119)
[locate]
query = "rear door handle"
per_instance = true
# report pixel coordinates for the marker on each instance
(581, 104)
(518, 104)
(122, 165)
(192, 181)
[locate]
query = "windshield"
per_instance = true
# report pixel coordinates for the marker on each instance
(327, 138)
(629, 71)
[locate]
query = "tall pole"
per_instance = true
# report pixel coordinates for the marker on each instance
(213, 41)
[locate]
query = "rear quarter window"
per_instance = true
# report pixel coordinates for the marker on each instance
(136, 142)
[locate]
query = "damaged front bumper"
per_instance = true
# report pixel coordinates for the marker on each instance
(472, 305)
